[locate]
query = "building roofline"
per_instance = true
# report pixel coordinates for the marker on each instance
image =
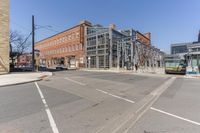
(61, 32)
(182, 44)
(142, 35)
(194, 45)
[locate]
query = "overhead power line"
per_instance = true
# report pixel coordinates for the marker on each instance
(47, 27)
(21, 26)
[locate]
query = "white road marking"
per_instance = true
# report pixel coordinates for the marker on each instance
(130, 101)
(178, 117)
(50, 117)
(77, 82)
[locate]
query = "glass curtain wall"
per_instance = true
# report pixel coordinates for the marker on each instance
(97, 47)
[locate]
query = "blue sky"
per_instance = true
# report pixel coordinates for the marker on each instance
(169, 21)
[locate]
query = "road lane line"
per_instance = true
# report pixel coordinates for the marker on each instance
(178, 117)
(50, 117)
(125, 126)
(74, 81)
(130, 101)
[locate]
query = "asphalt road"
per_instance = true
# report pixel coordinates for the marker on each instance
(176, 111)
(97, 102)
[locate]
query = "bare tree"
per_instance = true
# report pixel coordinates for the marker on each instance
(18, 44)
(143, 54)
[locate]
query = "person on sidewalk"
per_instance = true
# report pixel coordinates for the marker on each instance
(136, 67)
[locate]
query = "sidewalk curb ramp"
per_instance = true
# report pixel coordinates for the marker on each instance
(124, 122)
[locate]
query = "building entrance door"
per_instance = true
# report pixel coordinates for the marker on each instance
(72, 62)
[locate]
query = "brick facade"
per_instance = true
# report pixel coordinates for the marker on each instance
(65, 48)
(4, 36)
(144, 38)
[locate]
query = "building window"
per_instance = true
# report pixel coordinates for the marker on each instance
(73, 36)
(77, 35)
(77, 47)
(66, 37)
(70, 48)
(73, 48)
(70, 37)
(80, 46)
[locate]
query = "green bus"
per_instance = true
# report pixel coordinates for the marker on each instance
(175, 65)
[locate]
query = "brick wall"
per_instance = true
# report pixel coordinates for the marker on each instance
(144, 38)
(4, 36)
(67, 44)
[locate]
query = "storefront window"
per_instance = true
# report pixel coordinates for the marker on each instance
(194, 61)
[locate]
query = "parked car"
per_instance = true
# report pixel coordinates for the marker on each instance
(61, 67)
(27, 67)
(42, 67)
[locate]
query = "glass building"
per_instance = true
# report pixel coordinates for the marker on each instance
(109, 48)
(180, 48)
(191, 53)
(194, 55)
(101, 46)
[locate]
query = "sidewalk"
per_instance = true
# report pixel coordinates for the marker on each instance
(193, 76)
(140, 71)
(156, 73)
(19, 78)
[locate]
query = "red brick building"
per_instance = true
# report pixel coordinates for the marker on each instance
(65, 48)
(144, 38)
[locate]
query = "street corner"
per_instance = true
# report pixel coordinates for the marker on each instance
(22, 78)
(44, 75)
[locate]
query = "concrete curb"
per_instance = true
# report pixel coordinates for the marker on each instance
(29, 81)
(19, 83)
(192, 76)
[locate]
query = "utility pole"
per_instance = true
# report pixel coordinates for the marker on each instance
(33, 44)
